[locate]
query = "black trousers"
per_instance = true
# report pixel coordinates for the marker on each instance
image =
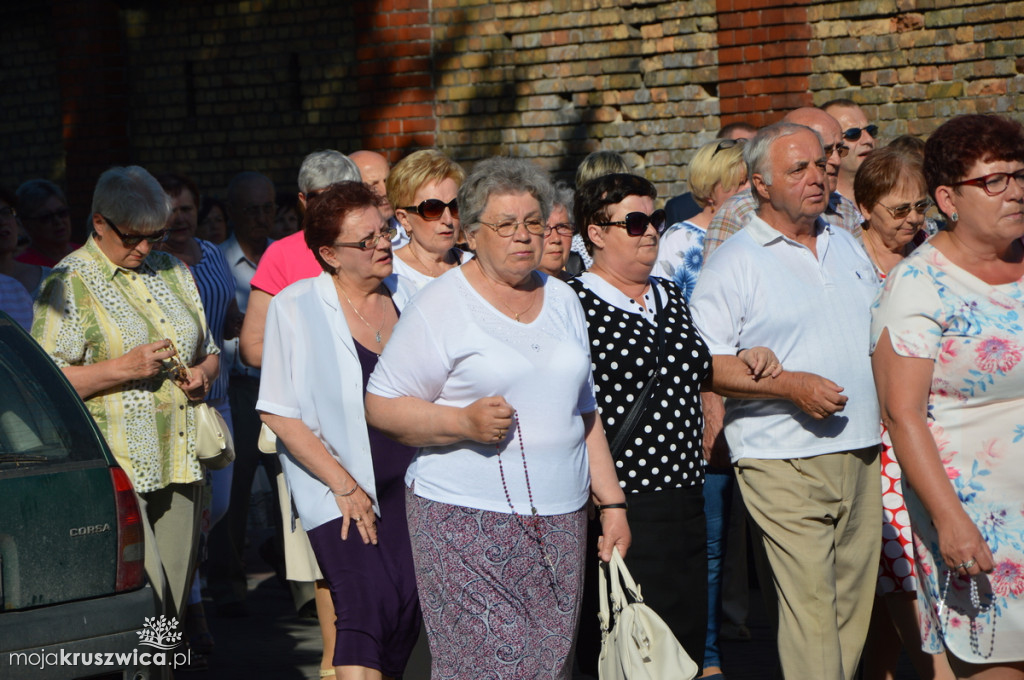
(668, 560)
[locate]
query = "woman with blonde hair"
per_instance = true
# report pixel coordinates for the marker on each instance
(422, 187)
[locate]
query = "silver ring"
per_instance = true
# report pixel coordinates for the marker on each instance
(968, 564)
(357, 519)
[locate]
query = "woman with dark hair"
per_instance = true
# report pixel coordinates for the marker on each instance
(322, 339)
(947, 350)
(893, 198)
(112, 315)
(45, 216)
(213, 220)
(488, 374)
(649, 366)
(289, 217)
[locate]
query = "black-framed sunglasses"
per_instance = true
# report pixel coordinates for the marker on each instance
(132, 240)
(841, 148)
(370, 242)
(724, 144)
(853, 134)
(636, 223)
(901, 211)
(432, 208)
(994, 183)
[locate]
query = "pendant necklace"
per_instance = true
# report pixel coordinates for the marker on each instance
(383, 314)
(515, 314)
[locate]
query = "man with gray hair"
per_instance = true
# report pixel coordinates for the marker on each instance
(804, 445)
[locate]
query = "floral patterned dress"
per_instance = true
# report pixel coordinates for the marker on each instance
(681, 255)
(974, 332)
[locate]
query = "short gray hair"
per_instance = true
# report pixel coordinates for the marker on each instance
(132, 199)
(756, 153)
(499, 176)
(321, 169)
(564, 195)
(33, 193)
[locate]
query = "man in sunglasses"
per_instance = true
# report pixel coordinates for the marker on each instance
(839, 211)
(804, 444)
(858, 135)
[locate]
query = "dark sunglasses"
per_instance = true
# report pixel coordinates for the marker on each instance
(901, 211)
(841, 148)
(727, 144)
(854, 133)
(432, 208)
(132, 240)
(636, 223)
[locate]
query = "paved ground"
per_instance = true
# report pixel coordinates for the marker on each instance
(274, 643)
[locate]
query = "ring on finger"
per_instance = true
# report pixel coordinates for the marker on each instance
(357, 519)
(968, 564)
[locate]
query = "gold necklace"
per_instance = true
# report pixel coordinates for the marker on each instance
(515, 314)
(383, 314)
(428, 269)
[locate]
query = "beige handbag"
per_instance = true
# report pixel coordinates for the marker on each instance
(638, 644)
(214, 446)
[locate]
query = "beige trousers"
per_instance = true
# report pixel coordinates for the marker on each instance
(817, 522)
(172, 542)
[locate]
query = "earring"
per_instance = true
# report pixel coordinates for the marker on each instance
(955, 217)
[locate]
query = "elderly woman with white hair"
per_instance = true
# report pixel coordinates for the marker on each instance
(488, 373)
(120, 319)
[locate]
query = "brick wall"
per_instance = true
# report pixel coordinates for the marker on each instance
(213, 87)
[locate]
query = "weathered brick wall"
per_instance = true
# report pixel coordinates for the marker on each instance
(215, 87)
(913, 64)
(30, 121)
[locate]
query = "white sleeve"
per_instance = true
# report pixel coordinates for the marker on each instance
(718, 309)
(413, 363)
(282, 340)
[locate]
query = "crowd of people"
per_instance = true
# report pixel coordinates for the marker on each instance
(475, 386)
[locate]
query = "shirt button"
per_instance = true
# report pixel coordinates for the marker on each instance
(148, 300)
(181, 408)
(181, 434)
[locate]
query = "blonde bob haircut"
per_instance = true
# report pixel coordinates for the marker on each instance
(716, 163)
(417, 169)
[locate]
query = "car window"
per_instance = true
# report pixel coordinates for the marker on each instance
(42, 421)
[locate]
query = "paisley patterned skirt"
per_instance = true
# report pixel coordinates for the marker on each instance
(496, 605)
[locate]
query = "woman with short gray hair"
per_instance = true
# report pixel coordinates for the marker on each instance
(44, 214)
(489, 365)
(126, 326)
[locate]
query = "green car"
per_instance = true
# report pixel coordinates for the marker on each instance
(71, 535)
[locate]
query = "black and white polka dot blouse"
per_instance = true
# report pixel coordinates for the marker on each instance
(665, 449)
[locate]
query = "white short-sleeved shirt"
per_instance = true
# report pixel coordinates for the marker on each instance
(311, 372)
(762, 288)
(451, 347)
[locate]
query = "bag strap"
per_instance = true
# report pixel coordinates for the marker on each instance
(621, 575)
(603, 613)
(629, 424)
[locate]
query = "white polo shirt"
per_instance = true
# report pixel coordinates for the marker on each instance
(762, 288)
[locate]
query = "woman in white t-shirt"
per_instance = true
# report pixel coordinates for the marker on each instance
(488, 372)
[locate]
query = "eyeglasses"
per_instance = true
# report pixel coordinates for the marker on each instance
(901, 211)
(996, 182)
(369, 243)
(636, 223)
(853, 134)
(254, 211)
(7, 212)
(727, 144)
(132, 240)
(841, 148)
(432, 208)
(506, 229)
(564, 229)
(57, 215)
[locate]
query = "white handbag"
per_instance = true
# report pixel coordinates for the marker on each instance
(214, 446)
(636, 644)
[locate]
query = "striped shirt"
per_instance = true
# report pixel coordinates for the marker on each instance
(216, 289)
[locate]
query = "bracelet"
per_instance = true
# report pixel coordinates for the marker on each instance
(612, 506)
(347, 493)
